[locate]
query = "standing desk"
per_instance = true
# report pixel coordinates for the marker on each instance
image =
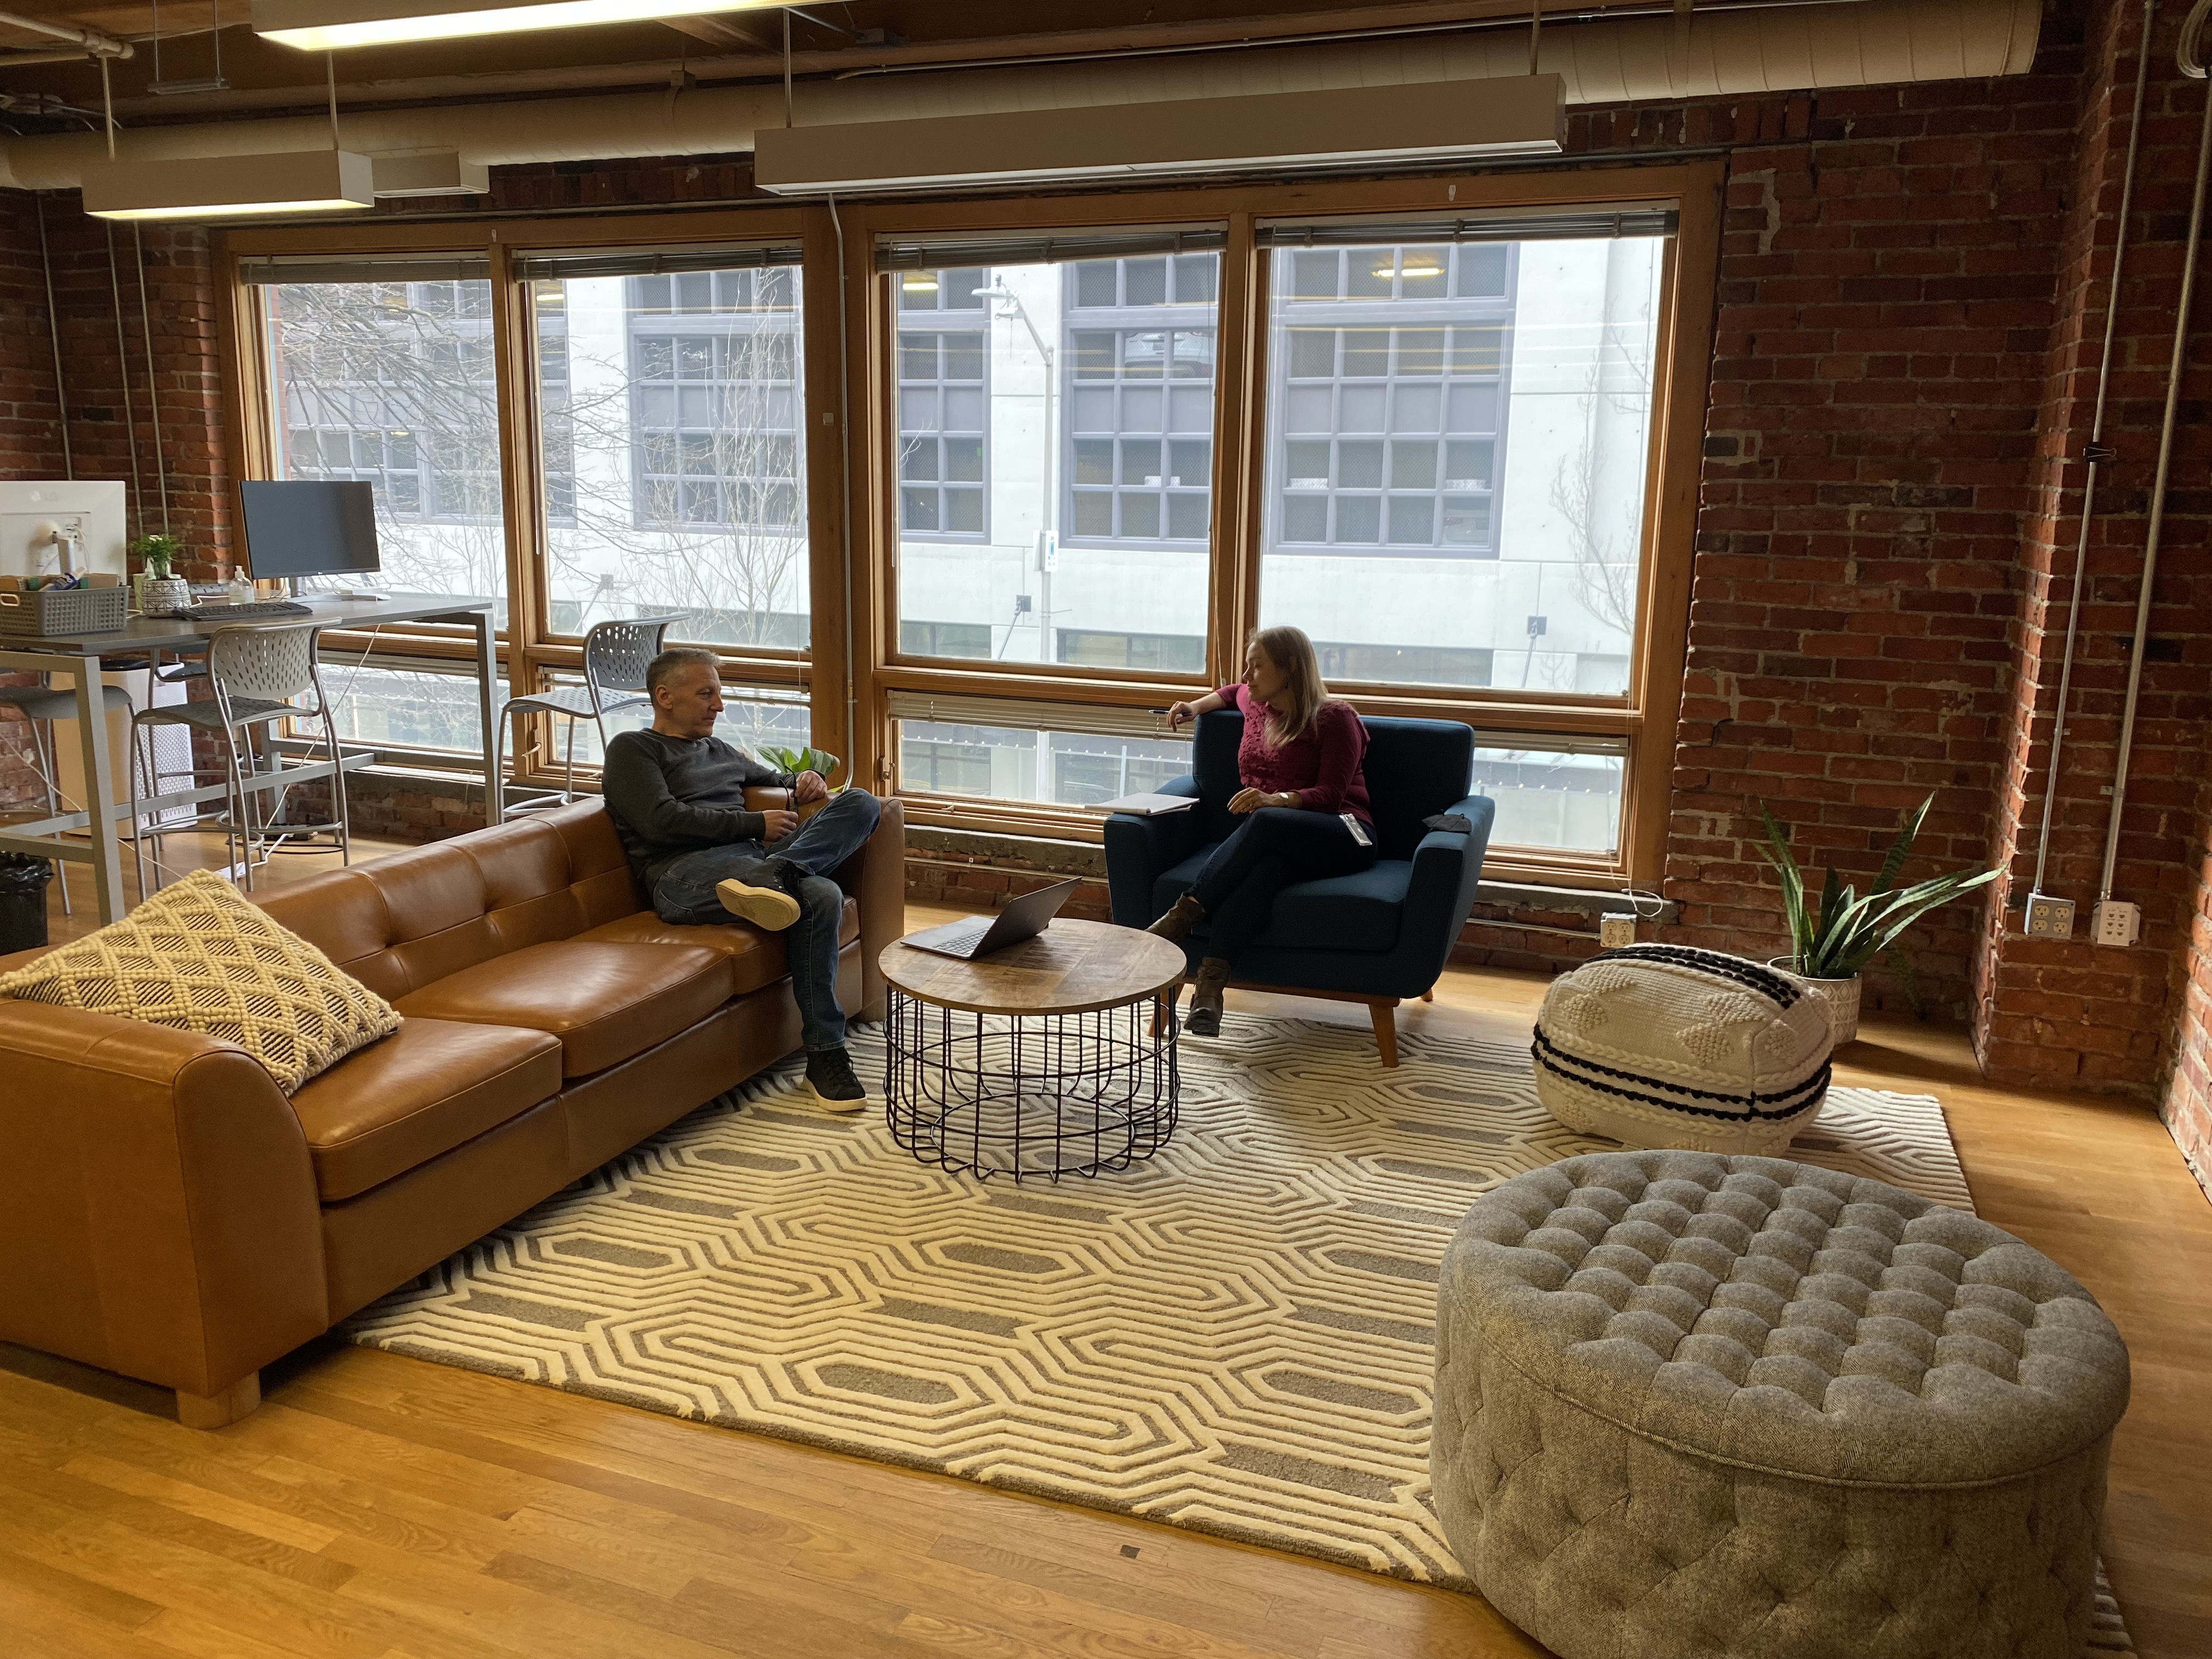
(78, 657)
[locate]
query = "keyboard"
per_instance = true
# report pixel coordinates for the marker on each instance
(248, 612)
(959, 938)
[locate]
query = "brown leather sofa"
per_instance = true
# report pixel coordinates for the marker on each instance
(166, 1213)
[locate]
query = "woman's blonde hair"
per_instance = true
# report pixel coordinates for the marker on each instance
(1292, 652)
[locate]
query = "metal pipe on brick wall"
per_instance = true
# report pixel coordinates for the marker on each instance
(2191, 65)
(1786, 48)
(2093, 452)
(54, 335)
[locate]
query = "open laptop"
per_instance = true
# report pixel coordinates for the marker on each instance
(978, 936)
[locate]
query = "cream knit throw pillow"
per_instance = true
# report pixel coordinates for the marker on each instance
(198, 957)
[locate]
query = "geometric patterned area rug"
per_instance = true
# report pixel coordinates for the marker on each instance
(1235, 1337)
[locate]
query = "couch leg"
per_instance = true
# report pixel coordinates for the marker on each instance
(1429, 996)
(216, 1411)
(1386, 1029)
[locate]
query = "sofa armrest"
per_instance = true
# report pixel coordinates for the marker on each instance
(876, 876)
(158, 1213)
(1447, 866)
(1138, 847)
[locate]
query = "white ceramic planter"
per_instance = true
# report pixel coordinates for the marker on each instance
(1842, 996)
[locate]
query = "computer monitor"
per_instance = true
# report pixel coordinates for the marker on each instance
(58, 526)
(309, 527)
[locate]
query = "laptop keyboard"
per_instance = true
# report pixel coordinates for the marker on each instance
(964, 937)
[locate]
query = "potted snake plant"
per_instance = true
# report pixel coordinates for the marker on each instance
(1834, 937)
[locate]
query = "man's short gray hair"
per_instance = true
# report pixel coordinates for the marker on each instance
(674, 661)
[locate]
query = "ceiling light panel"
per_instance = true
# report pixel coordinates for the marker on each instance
(334, 25)
(230, 186)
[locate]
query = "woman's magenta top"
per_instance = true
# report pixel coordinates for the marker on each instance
(1322, 768)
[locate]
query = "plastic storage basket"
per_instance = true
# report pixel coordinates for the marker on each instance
(52, 610)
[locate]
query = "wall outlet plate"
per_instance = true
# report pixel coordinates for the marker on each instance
(2049, 917)
(1615, 932)
(2116, 922)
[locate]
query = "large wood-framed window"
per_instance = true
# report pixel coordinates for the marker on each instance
(968, 491)
(1438, 425)
(587, 420)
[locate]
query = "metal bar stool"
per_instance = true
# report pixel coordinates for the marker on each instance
(41, 705)
(616, 656)
(257, 676)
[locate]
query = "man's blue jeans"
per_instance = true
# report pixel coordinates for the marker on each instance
(685, 895)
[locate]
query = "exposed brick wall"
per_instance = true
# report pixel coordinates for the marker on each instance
(2070, 1011)
(1885, 306)
(113, 392)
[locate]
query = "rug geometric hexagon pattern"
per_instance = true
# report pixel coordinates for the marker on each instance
(1235, 1337)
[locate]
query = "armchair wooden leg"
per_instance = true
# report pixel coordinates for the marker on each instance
(1429, 996)
(216, 1411)
(1386, 1029)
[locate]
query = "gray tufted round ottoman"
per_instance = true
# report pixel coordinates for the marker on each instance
(1741, 1408)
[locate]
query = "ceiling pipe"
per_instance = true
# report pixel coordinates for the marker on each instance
(1793, 49)
(91, 42)
(1001, 51)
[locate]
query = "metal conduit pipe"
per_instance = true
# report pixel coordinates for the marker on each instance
(1793, 48)
(2191, 64)
(91, 42)
(2094, 452)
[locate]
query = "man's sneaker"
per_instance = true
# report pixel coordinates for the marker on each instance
(829, 1074)
(764, 907)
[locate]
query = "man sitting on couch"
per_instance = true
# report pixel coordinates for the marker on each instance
(676, 794)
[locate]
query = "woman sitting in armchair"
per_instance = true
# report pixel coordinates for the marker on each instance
(1304, 803)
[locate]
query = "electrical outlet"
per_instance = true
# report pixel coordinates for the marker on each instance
(2049, 918)
(1615, 932)
(2116, 922)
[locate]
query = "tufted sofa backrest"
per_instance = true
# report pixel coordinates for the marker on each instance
(401, 922)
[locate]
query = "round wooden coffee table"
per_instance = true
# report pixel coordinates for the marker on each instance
(1053, 1057)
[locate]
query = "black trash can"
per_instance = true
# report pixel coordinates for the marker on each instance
(23, 901)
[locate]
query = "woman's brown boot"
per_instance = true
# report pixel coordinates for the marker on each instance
(1182, 917)
(1205, 1019)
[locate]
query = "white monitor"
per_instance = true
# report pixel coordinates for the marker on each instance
(88, 512)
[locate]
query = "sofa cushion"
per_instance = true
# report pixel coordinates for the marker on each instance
(198, 957)
(605, 1001)
(1359, 912)
(424, 1089)
(756, 959)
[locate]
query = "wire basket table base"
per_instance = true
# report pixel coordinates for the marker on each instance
(1031, 1095)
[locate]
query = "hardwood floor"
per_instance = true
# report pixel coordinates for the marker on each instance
(378, 1507)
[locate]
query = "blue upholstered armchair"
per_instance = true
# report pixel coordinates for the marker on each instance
(1377, 937)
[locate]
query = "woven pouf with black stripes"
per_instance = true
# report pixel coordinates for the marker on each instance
(1662, 1045)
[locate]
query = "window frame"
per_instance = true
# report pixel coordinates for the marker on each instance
(530, 652)
(854, 662)
(1643, 716)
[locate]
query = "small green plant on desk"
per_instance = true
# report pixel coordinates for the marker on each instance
(158, 553)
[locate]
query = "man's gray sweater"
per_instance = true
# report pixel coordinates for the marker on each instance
(669, 796)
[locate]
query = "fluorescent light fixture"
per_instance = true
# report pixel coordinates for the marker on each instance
(333, 25)
(220, 186)
(431, 172)
(1418, 264)
(1422, 123)
(919, 281)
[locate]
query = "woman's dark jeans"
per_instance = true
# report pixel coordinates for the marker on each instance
(1272, 848)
